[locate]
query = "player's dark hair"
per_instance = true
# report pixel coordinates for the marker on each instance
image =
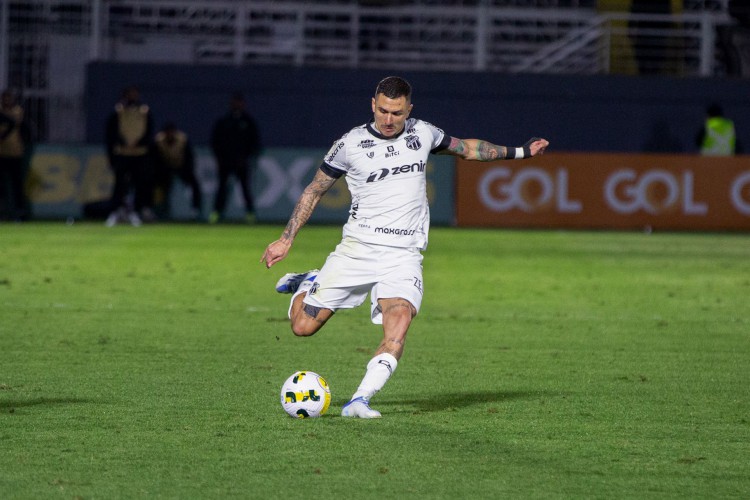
(394, 87)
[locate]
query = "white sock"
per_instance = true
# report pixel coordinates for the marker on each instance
(379, 370)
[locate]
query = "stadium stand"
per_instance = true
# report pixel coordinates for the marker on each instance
(46, 44)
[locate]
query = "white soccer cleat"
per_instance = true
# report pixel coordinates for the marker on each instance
(359, 408)
(290, 282)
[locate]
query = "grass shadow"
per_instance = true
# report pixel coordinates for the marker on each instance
(449, 400)
(12, 404)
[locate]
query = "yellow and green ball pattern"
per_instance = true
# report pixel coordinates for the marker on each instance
(305, 394)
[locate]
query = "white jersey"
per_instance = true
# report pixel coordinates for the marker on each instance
(387, 181)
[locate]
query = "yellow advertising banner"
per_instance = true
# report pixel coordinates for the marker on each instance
(624, 191)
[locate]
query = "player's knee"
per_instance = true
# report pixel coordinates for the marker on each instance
(401, 309)
(304, 328)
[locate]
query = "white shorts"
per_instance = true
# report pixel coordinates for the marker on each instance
(355, 269)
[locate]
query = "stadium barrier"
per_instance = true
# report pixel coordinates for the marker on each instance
(557, 190)
(618, 191)
(63, 180)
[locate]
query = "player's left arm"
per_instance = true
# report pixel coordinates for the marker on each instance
(480, 150)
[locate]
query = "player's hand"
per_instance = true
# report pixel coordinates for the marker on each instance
(537, 146)
(276, 252)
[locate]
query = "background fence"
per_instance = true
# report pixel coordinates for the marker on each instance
(45, 45)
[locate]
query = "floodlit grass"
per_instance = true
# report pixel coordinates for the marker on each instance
(147, 362)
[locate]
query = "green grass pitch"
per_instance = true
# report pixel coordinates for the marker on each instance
(147, 363)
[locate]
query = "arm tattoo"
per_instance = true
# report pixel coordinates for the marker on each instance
(312, 194)
(487, 151)
(457, 146)
(474, 149)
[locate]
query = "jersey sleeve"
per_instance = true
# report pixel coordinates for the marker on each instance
(335, 164)
(330, 171)
(440, 140)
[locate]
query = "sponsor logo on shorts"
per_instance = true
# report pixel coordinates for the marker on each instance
(313, 289)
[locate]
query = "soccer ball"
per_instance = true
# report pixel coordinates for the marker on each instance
(305, 395)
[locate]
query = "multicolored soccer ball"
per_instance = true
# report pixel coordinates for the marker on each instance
(305, 395)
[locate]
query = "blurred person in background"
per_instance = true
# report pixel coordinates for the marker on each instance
(129, 134)
(236, 145)
(717, 136)
(174, 157)
(15, 155)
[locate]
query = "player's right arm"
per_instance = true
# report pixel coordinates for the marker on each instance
(307, 202)
(479, 150)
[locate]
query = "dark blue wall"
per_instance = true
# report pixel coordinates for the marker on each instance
(310, 107)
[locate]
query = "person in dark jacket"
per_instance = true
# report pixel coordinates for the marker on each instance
(15, 153)
(236, 145)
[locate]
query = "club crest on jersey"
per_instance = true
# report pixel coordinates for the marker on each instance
(412, 142)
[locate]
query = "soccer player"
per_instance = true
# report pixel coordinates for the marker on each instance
(384, 162)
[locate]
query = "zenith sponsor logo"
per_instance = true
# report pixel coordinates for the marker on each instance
(397, 232)
(382, 173)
